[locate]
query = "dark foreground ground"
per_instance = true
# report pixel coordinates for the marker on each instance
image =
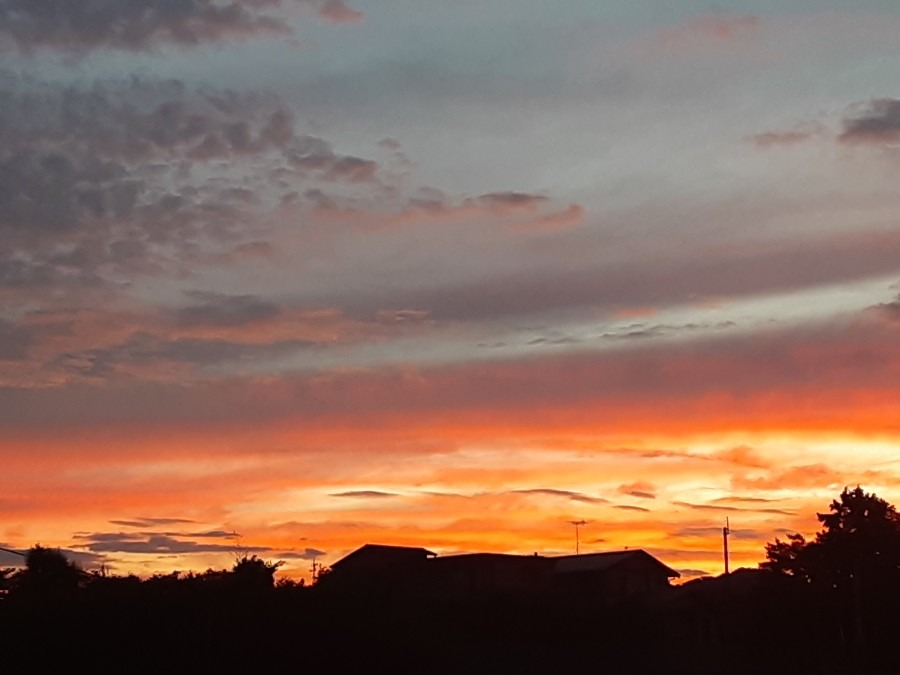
(755, 623)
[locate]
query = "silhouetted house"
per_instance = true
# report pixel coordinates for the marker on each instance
(473, 574)
(379, 564)
(613, 575)
(593, 577)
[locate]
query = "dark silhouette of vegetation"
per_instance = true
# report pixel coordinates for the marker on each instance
(48, 576)
(6, 576)
(853, 567)
(860, 538)
(825, 606)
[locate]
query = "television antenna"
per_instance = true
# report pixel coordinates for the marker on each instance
(725, 532)
(577, 524)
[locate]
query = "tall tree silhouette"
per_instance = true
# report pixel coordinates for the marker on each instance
(859, 538)
(853, 565)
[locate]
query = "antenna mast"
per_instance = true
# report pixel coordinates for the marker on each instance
(725, 532)
(577, 524)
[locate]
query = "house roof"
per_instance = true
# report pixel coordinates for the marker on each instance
(487, 555)
(385, 551)
(378, 555)
(603, 561)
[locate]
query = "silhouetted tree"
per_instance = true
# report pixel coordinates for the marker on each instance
(853, 567)
(860, 537)
(48, 574)
(254, 573)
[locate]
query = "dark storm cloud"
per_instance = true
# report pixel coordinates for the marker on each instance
(877, 122)
(217, 309)
(78, 26)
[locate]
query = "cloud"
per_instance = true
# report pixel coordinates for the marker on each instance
(723, 508)
(365, 494)
(743, 500)
(138, 25)
(218, 309)
(143, 350)
(151, 522)
(511, 201)
(629, 507)
(339, 12)
(640, 489)
(712, 384)
(659, 280)
(801, 134)
(430, 205)
(890, 310)
(156, 543)
(20, 337)
(804, 476)
(567, 494)
(875, 122)
(566, 218)
(306, 554)
(742, 455)
(126, 177)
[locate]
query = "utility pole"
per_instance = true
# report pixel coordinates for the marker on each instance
(577, 524)
(725, 532)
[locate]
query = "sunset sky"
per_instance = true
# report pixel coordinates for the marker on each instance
(283, 277)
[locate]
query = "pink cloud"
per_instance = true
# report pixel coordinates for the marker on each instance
(339, 12)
